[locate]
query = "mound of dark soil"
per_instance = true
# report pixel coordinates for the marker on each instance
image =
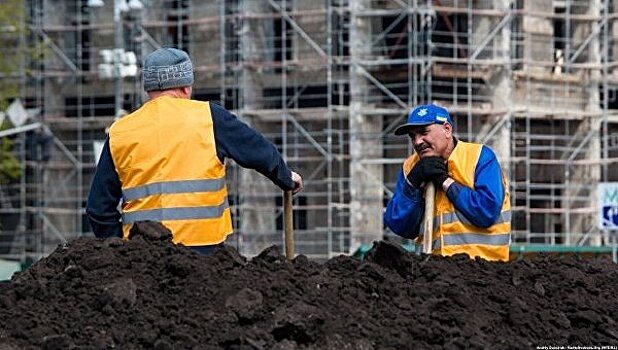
(149, 293)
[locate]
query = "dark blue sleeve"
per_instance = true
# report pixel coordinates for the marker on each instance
(404, 211)
(247, 147)
(483, 204)
(104, 197)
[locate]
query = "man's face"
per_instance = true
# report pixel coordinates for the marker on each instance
(431, 140)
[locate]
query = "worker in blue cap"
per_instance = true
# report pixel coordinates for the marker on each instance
(472, 203)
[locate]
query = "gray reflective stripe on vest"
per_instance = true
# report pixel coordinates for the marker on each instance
(185, 186)
(468, 238)
(449, 218)
(421, 228)
(418, 248)
(476, 238)
(161, 214)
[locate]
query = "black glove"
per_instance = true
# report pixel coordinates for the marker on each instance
(428, 169)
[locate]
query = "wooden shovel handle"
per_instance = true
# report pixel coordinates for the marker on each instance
(288, 220)
(430, 192)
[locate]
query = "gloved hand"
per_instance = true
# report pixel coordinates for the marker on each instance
(428, 169)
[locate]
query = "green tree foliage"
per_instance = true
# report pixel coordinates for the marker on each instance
(12, 34)
(10, 168)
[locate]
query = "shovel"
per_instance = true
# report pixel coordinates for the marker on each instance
(288, 224)
(430, 192)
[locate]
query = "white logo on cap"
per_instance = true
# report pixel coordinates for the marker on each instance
(422, 112)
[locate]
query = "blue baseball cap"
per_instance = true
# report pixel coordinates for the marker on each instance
(424, 115)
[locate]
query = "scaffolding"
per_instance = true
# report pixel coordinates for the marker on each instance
(328, 82)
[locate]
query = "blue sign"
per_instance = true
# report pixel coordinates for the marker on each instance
(608, 205)
(610, 216)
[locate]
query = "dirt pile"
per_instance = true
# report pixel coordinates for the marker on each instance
(150, 293)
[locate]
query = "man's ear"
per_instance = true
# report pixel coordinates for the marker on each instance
(448, 130)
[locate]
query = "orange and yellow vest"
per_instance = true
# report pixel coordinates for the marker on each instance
(453, 232)
(166, 159)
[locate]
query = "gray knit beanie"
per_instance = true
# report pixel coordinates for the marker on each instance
(167, 68)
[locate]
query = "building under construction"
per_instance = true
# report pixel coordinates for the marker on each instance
(327, 82)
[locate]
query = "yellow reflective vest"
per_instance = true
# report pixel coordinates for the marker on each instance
(453, 232)
(166, 159)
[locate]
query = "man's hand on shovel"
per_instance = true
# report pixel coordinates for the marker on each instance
(298, 182)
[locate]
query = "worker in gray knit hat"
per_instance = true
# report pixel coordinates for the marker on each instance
(167, 68)
(165, 162)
